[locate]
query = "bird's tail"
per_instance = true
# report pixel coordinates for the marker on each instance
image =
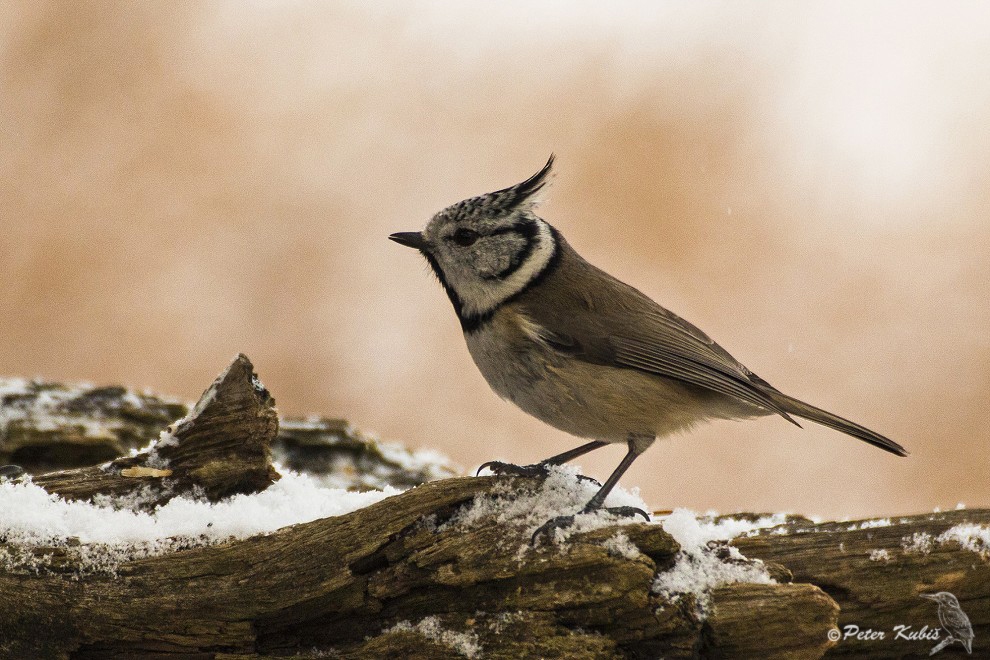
(825, 418)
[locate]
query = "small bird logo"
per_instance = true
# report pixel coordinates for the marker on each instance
(954, 621)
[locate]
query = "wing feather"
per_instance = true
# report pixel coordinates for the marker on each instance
(612, 323)
(673, 361)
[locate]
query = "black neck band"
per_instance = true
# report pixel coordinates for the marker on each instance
(474, 322)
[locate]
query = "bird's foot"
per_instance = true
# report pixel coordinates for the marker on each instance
(534, 470)
(10, 472)
(548, 528)
(498, 467)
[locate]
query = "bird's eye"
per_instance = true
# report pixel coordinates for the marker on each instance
(465, 237)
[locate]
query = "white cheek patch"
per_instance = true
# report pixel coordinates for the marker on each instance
(482, 296)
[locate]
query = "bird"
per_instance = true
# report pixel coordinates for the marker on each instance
(953, 620)
(580, 350)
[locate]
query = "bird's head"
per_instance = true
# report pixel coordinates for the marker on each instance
(488, 248)
(942, 598)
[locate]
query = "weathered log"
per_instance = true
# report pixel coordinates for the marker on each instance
(408, 577)
(876, 571)
(344, 457)
(46, 426)
(377, 580)
(221, 448)
(334, 583)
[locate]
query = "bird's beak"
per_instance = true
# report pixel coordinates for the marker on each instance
(413, 239)
(929, 596)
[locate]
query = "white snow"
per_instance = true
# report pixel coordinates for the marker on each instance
(870, 524)
(619, 545)
(919, 543)
(32, 517)
(880, 554)
(972, 537)
(164, 439)
(698, 568)
(560, 494)
(465, 644)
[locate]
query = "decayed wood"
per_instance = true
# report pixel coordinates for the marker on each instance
(46, 426)
(334, 583)
(375, 581)
(403, 578)
(222, 447)
(876, 571)
(768, 620)
(347, 458)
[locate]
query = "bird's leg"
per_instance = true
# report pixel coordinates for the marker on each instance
(543, 467)
(637, 445)
(941, 645)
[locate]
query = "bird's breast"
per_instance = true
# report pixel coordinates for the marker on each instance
(584, 399)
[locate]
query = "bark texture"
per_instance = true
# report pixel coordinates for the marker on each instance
(221, 448)
(408, 577)
(877, 569)
(46, 426)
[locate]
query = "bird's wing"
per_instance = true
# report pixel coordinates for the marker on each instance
(616, 325)
(955, 621)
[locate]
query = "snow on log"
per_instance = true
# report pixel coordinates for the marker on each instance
(47, 426)
(221, 448)
(877, 570)
(195, 548)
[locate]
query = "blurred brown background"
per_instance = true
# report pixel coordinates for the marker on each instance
(809, 184)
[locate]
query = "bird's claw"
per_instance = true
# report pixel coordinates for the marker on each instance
(534, 470)
(627, 512)
(498, 467)
(563, 522)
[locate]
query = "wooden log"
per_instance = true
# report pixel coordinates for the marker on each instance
(46, 426)
(221, 448)
(876, 570)
(346, 584)
(407, 577)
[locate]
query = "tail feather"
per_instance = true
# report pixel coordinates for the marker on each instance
(825, 418)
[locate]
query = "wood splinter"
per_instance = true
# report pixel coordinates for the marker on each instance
(222, 448)
(145, 472)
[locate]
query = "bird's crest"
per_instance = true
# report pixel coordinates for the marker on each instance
(521, 197)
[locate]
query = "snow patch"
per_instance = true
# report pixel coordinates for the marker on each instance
(164, 439)
(919, 543)
(972, 537)
(880, 554)
(560, 494)
(690, 530)
(109, 531)
(704, 561)
(619, 545)
(504, 619)
(465, 644)
(870, 524)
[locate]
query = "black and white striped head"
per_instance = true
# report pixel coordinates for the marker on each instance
(489, 248)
